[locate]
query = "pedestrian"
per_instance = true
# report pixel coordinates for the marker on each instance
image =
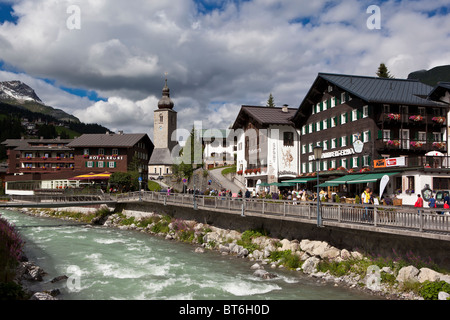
(446, 201)
(432, 202)
(365, 199)
(247, 194)
(419, 203)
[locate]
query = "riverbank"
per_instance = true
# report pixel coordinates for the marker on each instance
(391, 279)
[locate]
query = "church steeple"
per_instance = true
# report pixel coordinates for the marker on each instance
(166, 102)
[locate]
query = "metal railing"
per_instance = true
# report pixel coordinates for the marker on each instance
(394, 217)
(373, 217)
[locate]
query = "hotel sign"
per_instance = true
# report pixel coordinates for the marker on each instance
(106, 158)
(391, 162)
(335, 154)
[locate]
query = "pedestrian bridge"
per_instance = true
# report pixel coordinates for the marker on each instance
(398, 220)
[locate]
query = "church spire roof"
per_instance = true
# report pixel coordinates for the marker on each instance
(165, 102)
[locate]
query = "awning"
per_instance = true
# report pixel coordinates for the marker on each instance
(300, 180)
(327, 184)
(345, 179)
(263, 184)
(372, 177)
(93, 176)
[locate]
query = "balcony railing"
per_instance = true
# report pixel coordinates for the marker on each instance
(413, 119)
(47, 160)
(410, 144)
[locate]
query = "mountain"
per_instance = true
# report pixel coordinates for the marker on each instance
(23, 96)
(432, 76)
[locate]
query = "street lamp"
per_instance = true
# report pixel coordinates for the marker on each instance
(317, 156)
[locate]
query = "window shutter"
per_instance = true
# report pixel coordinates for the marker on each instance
(346, 117)
(370, 136)
(338, 100)
(357, 162)
(380, 134)
(336, 120)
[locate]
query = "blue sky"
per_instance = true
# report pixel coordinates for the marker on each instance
(219, 55)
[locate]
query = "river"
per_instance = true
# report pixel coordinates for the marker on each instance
(107, 264)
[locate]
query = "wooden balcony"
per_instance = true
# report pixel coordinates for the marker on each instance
(47, 160)
(412, 119)
(411, 145)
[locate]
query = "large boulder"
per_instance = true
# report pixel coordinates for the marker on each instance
(310, 265)
(42, 296)
(428, 274)
(331, 253)
(264, 274)
(408, 274)
(313, 248)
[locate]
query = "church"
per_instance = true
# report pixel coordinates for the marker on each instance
(164, 126)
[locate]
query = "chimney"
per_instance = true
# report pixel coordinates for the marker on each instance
(121, 132)
(285, 108)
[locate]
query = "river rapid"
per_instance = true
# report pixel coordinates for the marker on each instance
(111, 264)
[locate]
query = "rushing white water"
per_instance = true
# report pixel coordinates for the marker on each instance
(104, 264)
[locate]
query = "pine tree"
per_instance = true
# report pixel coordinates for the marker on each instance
(270, 102)
(383, 71)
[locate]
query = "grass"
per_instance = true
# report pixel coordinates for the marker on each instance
(229, 170)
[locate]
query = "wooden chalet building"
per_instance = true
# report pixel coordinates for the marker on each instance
(395, 119)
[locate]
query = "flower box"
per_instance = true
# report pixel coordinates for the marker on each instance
(416, 118)
(393, 143)
(416, 144)
(439, 145)
(393, 116)
(439, 120)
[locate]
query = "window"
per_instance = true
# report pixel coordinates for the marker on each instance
(366, 161)
(288, 139)
(318, 108)
(325, 145)
(325, 124)
(310, 147)
(111, 164)
(333, 122)
(333, 102)
(310, 128)
(333, 164)
(303, 130)
(325, 105)
(310, 167)
(115, 152)
(411, 184)
(343, 118)
(303, 167)
(86, 152)
(386, 108)
(366, 136)
(325, 165)
(343, 141)
(100, 164)
(343, 97)
(314, 109)
(161, 118)
(354, 114)
(355, 162)
(304, 149)
(355, 137)
(101, 152)
(318, 124)
(437, 137)
(422, 136)
(365, 111)
(344, 163)
(89, 164)
(333, 143)
(386, 135)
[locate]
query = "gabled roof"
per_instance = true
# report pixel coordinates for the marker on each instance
(108, 140)
(383, 90)
(264, 116)
(161, 156)
(439, 90)
(371, 90)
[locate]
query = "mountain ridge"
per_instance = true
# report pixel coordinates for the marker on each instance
(21, 95)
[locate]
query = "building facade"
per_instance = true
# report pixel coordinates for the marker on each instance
(218, 149)
(38, 164)
(393, 120)
(267, 145)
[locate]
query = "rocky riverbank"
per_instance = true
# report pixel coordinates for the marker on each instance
(317, 259)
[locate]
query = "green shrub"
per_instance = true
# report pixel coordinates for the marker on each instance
(430, 290)
(286, 258)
